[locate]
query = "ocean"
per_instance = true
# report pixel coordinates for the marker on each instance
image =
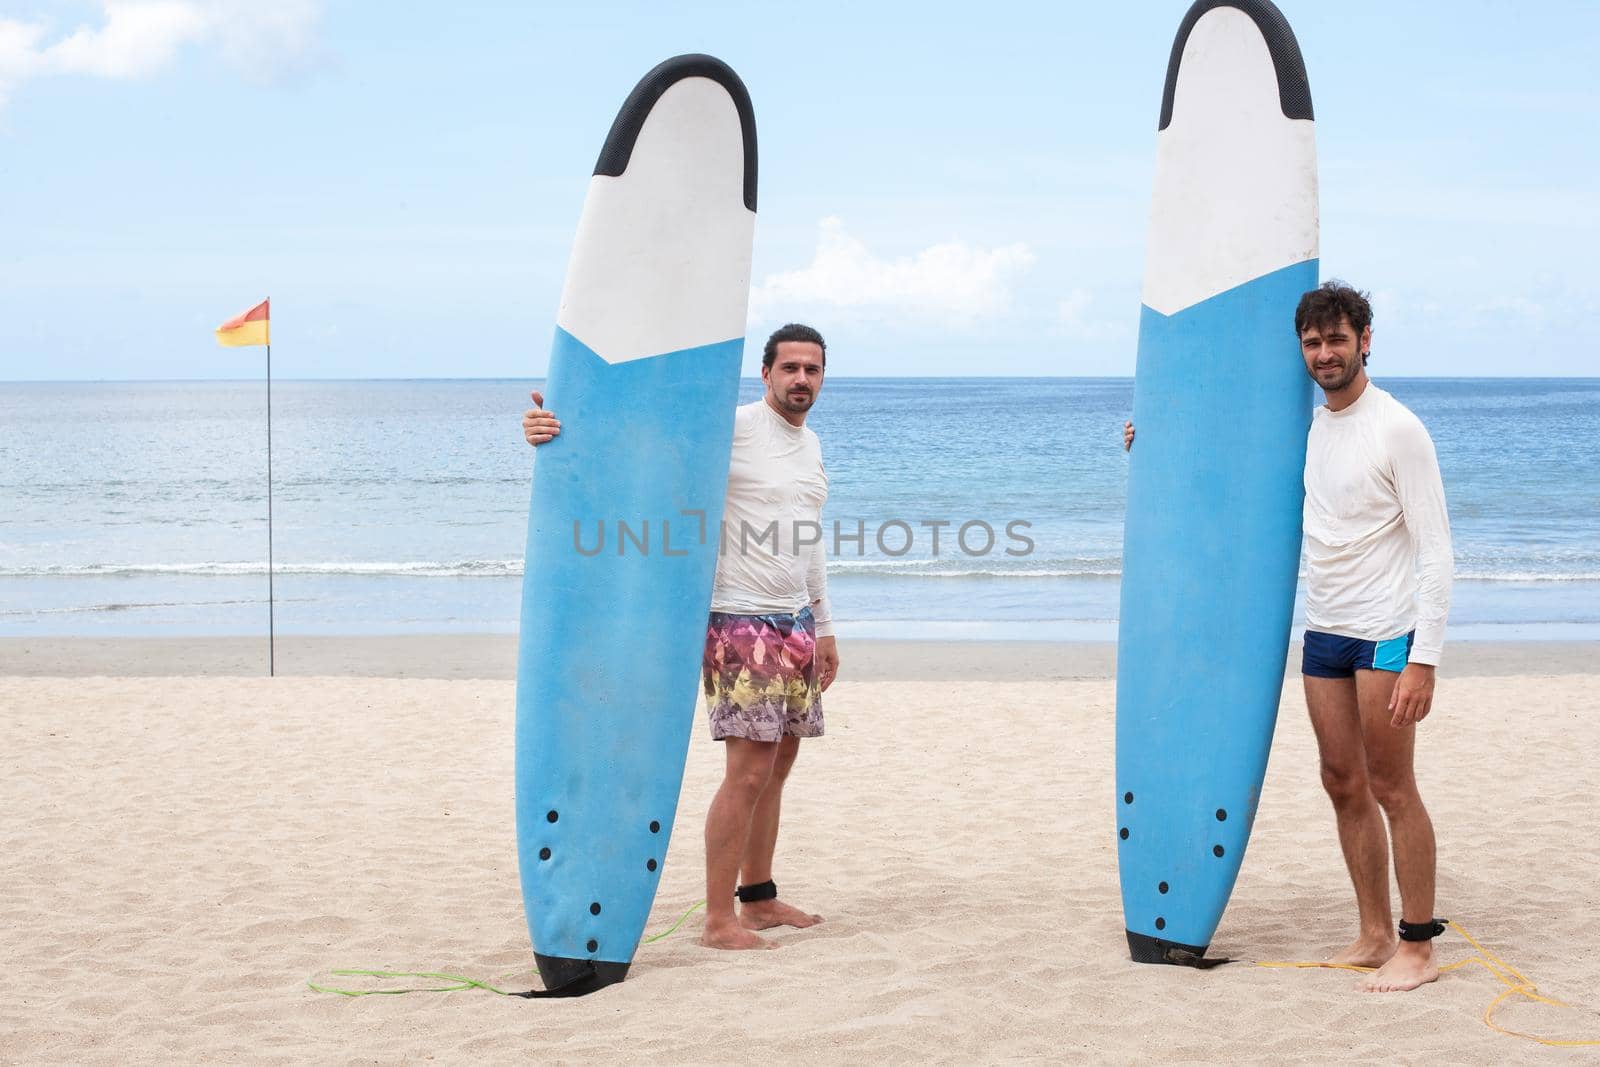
(400, 506)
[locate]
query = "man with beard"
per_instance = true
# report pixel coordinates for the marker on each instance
(770, 650)
(1378, 571)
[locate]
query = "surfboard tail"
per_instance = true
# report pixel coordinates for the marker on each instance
(564, 976)
(1143, 948)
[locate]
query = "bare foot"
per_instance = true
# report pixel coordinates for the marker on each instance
(728, 934)
(765, 914)
(1367, 951)
(1411, 967)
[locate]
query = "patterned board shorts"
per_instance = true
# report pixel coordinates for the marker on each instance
(760, 676)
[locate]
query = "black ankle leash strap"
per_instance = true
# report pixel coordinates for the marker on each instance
(1422, 931)
(767, 890)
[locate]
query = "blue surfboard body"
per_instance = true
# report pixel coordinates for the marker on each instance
(1211, 551)
(624, 515)
(1222, 405)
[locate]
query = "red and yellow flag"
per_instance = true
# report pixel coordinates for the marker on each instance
(251, 328)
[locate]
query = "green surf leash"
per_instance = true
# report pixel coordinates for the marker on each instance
(461, 982)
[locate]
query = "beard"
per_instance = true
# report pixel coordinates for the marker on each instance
(799, 402)
(1345, 375)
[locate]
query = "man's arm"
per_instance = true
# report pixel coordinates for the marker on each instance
(822, 611)
(1422, 507)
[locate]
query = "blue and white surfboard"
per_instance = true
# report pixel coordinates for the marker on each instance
(626, 505)
(1222, 404)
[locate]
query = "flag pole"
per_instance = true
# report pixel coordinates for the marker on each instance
(243, 331)
(272, 637)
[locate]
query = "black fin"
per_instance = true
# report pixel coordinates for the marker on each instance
(567, 977)
(1143, 948)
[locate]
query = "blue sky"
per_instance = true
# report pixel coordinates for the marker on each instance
(404, 180)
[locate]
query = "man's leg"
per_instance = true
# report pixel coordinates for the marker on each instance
(1336, 718)
(756, 865)
(749, 770)
(1391, 769)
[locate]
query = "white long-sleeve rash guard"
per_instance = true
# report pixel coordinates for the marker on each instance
(772, 559)
(1378, 561)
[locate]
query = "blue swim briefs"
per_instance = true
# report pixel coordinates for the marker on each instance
(1332, 656)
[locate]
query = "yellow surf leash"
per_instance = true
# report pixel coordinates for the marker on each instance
(460, 982)
(1517, 985)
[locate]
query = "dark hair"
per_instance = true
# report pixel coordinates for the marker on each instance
(792, 332)
(1329, 302)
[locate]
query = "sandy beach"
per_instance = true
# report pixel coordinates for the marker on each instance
(180, 854)
(492, 656)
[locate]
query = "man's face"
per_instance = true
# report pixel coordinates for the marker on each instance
(795, 377)
(1333, 353)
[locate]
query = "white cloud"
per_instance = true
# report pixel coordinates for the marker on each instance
(139, 38)
(1076, 322)
(19, 55)
(953, 282)
(1518, 310)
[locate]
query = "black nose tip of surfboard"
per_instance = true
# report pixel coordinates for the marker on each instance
(625, 129)
(1294, 89)
(1146, 949)
(567, 977)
